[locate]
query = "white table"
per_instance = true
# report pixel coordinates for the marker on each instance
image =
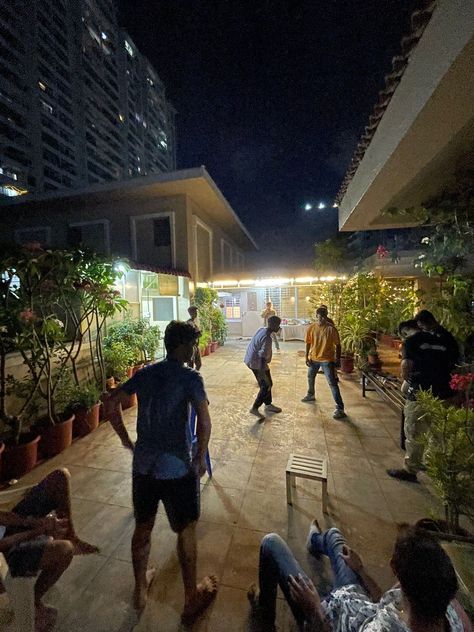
(294, 332)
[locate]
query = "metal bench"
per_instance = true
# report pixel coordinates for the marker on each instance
(309, 467)
(389, 388)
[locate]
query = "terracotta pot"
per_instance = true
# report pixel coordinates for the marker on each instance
(19, 459)
(86, 420)
(55, 439)
(396, 343)
(214, 346)
(205, 351)
(347, 363)
(129, 401)
(110, 383)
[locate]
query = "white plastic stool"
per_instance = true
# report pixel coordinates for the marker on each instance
(313, 468)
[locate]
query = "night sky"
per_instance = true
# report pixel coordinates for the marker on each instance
(272, 97)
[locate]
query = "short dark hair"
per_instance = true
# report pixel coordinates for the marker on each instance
(425, 572)
(407, 324)
(325, 307)
(179, 333)
(322, 311)
(425, 317)
(192, 308)
(273, 321)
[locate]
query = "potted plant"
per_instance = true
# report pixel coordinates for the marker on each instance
(218, 327)
(85, 404)
(118, 358)
(449, 455)
(150, 343)
(373, 359)
(354, 334)
(204, 343)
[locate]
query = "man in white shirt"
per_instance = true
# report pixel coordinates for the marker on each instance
(258, 358)
(422, 602)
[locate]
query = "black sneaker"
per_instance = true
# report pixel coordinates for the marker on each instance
(339, 414)
(403, 475)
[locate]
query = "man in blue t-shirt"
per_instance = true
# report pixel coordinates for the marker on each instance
(165, 467)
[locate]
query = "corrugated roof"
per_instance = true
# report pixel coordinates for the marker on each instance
(419, 21)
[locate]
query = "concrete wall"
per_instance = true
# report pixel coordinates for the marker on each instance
(197, 216)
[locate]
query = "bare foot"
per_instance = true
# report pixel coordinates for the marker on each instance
(140, 594)
(45, 619)
(253, 594)
(205, 592)
(83, 548)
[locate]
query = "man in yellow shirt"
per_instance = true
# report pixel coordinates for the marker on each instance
(323, 350)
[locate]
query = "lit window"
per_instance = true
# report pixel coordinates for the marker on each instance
(164, 144)
(128, 48)
(43, 86)
(232, 308)
(150, 82)
(103, 35)
(138, 117)
(122, 118)
(139, 169)
(7, 172)
(11, 191)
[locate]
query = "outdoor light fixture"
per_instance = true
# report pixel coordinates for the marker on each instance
(120, 267)
(321, 205)
(334, 205)
(308, 206)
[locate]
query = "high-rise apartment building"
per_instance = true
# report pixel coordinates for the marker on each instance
(79, 104)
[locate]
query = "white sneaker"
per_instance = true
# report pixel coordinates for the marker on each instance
(313, 528)
(272, 409)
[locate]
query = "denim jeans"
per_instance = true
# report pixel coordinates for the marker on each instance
(329, 371)
(277, 562)
(265, 383)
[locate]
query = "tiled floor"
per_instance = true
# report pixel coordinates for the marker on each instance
(244, 500)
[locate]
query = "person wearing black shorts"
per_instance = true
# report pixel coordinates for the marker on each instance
(166, 468)
(38, 537)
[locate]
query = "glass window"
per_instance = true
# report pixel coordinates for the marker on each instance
(163, 309)
(162, 231)
(232, 308)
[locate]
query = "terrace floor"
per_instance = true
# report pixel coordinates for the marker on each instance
(244, 500)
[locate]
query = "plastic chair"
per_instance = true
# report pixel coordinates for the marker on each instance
(20, 590)
(193, 425)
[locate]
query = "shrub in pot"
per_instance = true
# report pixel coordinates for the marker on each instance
(449, 454)
(85, 404)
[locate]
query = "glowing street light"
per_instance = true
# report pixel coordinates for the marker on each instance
(321, 205)
(308, 206)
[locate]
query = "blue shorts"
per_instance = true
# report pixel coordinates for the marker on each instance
(24, 558)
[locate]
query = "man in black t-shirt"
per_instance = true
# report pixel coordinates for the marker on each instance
(428, 358)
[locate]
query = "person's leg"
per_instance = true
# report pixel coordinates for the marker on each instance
(277, 563)
(330, 543)
(415, 426)
(145, 492)
(58, 487)
(56, 558)
(275, 340)
(263, 383)
(53, 493)
(181, 498)
(197, 359)
(329, 372)
(312, 372)
(267, 400)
